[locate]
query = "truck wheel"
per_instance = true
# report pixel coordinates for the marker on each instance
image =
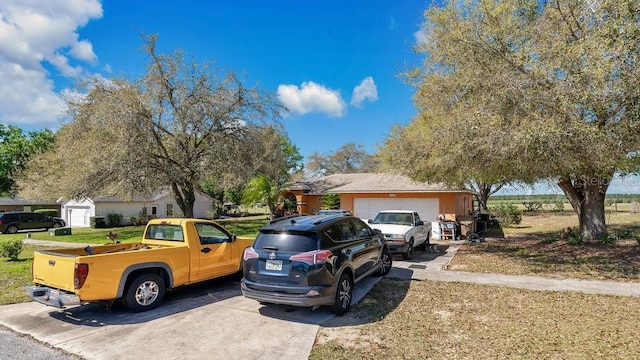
(408, 255)
(344, 293)
(427, 242)
(144, 293)
(385, 262)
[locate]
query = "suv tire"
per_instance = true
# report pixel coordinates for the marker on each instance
(385, 263)
(344, 294)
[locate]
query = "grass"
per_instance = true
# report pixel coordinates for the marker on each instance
(524, 251)
(436, 320)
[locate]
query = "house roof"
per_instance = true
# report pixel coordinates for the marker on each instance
(369, 183)
(20, 201)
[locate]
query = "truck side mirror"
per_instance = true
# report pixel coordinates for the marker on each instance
(419, 223)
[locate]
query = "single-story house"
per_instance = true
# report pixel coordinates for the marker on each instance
(77, 213)
(365, 194)
(19, 204)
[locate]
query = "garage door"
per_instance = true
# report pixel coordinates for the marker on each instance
(368, 208)
(78, 216)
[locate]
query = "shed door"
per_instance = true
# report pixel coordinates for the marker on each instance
(77, 216)
(367, 208)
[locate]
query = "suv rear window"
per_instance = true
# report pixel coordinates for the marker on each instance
(288, 241)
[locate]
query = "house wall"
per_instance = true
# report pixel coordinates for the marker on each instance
(307, 203)
(201, 209)
(451, 204)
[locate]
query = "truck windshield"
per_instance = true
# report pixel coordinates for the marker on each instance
(164, 232)
(393, 218)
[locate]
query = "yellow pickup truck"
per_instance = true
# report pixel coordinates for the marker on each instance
(173, 252)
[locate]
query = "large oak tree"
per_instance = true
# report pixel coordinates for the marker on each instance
(179, 124)
(530, 90)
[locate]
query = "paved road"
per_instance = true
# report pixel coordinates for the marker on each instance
(213, 320)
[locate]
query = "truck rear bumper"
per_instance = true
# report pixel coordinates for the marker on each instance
(52, 297)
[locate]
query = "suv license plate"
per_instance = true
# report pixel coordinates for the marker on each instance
(274, 265)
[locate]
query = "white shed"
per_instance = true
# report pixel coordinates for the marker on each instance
(163, 204)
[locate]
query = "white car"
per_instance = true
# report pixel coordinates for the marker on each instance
(403, 230)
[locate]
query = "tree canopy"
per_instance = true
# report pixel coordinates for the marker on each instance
(349, 158)
(177, 125)
(16, 147)
(523, 90)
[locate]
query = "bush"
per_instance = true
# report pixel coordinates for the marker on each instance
(114, 220)
(507, 214)
(532, 206)
(11, 249)
(559, 206)
(97, 222)
(50, 212)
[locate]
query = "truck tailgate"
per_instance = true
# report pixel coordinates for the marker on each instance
(54, 269)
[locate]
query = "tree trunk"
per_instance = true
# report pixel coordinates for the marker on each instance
(482, 192)
(586, 195)
(185, 197)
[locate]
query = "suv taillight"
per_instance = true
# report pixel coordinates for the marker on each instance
(249, 253)
(80, 275)
(312, 257)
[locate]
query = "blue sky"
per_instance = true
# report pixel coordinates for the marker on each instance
(335, 64)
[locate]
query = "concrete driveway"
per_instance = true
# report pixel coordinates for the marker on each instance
(211, 320)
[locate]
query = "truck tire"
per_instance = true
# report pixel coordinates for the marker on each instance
(144, 293)
(344, 294)
(408, 255)
(427, 242)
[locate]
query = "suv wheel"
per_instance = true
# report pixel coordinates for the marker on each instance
(408, 255)
(12, 229)
(385, 263)
(344, 293)
(57, 225)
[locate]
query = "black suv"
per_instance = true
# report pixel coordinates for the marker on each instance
(313, 260)
(11, 222)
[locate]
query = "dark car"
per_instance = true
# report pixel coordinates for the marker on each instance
(312, 261)
(11, 222)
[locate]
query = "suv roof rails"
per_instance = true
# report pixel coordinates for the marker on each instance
(293, 216)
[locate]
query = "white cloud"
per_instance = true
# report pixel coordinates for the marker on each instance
(33, 32)
(367, 90)
(312, 97)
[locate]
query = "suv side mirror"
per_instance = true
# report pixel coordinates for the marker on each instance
(377, 231)
(233, 238)
(370, 221)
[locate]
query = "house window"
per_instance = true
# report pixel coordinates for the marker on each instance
(154, 210)
(169, 209)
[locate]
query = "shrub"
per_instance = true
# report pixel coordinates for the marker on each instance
(97, 222)
(50, 212)
(11, 249)
(507, 214)
(114, 220)
(559, 205)
(532, 206)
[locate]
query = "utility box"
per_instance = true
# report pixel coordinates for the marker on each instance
(60, 231)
